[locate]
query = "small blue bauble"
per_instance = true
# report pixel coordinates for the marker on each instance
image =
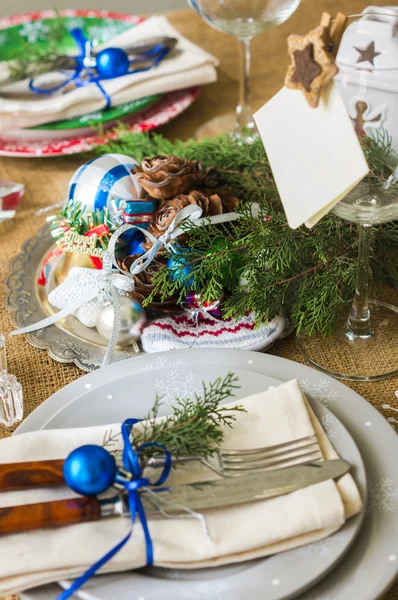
(112, 62)
(135, 243)
(174, 265)
(89, 470)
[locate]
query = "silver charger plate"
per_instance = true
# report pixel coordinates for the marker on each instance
(67, 341)
(370, 566)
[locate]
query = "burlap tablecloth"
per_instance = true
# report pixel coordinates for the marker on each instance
(46, 183)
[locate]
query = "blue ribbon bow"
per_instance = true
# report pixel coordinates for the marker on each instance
(110, 63)
(131, 464)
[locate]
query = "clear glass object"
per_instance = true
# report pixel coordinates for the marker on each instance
(370, 324)
(243, 19)
(11, 397)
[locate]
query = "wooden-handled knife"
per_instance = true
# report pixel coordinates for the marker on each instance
(223, 492)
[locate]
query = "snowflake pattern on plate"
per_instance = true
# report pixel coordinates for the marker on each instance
(74, 22)
(107, 31)
(174, 384)
(327, 424)
(383, 496)
(94, 116)
(34, 31)
(319, 390)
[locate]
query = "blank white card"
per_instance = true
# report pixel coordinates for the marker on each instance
(314, 153)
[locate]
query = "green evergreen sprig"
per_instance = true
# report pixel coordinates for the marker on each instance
(263, 263)
(196, 425)
(36, 60)
(76, 218)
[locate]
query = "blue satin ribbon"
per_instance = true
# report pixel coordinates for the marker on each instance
(131, 463)
(84, 46)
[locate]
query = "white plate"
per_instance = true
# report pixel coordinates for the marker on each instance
(367, 570)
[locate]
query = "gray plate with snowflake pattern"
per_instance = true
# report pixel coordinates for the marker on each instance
(367, 569)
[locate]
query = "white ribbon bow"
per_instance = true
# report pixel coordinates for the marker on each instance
(112, 284)
(194, 313)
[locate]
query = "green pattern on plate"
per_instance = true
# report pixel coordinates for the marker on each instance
(20, 40)
(16, 41)
(102, 116)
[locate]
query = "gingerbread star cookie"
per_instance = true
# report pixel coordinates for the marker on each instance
(312, 64)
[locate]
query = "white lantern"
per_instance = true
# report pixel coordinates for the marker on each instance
(368, 71)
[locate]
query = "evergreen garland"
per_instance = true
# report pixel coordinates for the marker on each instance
(263, 263)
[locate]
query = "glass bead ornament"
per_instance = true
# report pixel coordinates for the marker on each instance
(11, 194)
(11, 396)
(132, 321)
(89, 470)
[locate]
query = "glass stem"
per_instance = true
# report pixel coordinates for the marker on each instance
(244, 118)
(358, 323)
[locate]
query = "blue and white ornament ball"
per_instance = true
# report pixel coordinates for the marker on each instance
(105, 182)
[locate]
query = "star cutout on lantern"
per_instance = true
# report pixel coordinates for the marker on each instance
(367, 54)
(312, 64)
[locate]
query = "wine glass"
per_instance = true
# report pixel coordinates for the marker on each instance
(370, 324)
(244, 19)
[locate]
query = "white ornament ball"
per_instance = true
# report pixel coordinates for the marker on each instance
(132, 321)
(104, 180)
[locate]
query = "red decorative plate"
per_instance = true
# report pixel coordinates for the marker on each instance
(33, 28)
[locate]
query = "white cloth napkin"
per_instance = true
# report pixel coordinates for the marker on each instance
(238, 533)
(188, 66)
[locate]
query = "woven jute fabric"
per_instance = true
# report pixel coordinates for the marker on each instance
(46, 183)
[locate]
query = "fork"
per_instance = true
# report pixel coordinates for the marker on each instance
(228, 463)
(234, 463)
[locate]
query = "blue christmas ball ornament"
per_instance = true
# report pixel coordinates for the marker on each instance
(89, 470)
(112, 62)
(135, 243)
(179, 270)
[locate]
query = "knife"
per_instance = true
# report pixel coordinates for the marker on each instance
(200, 496)
(69, 63)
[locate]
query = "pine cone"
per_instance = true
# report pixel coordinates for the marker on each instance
(163, 177)
(225, 196)
(168, 209)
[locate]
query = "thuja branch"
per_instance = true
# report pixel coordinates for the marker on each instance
(196, 426)
(261, 263)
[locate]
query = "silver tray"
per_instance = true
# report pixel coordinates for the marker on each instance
(67, 341)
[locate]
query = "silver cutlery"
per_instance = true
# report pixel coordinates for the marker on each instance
(158, 502)
(135, 53)
(235, 463)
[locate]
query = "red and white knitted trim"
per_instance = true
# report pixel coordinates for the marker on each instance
(177, 332)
